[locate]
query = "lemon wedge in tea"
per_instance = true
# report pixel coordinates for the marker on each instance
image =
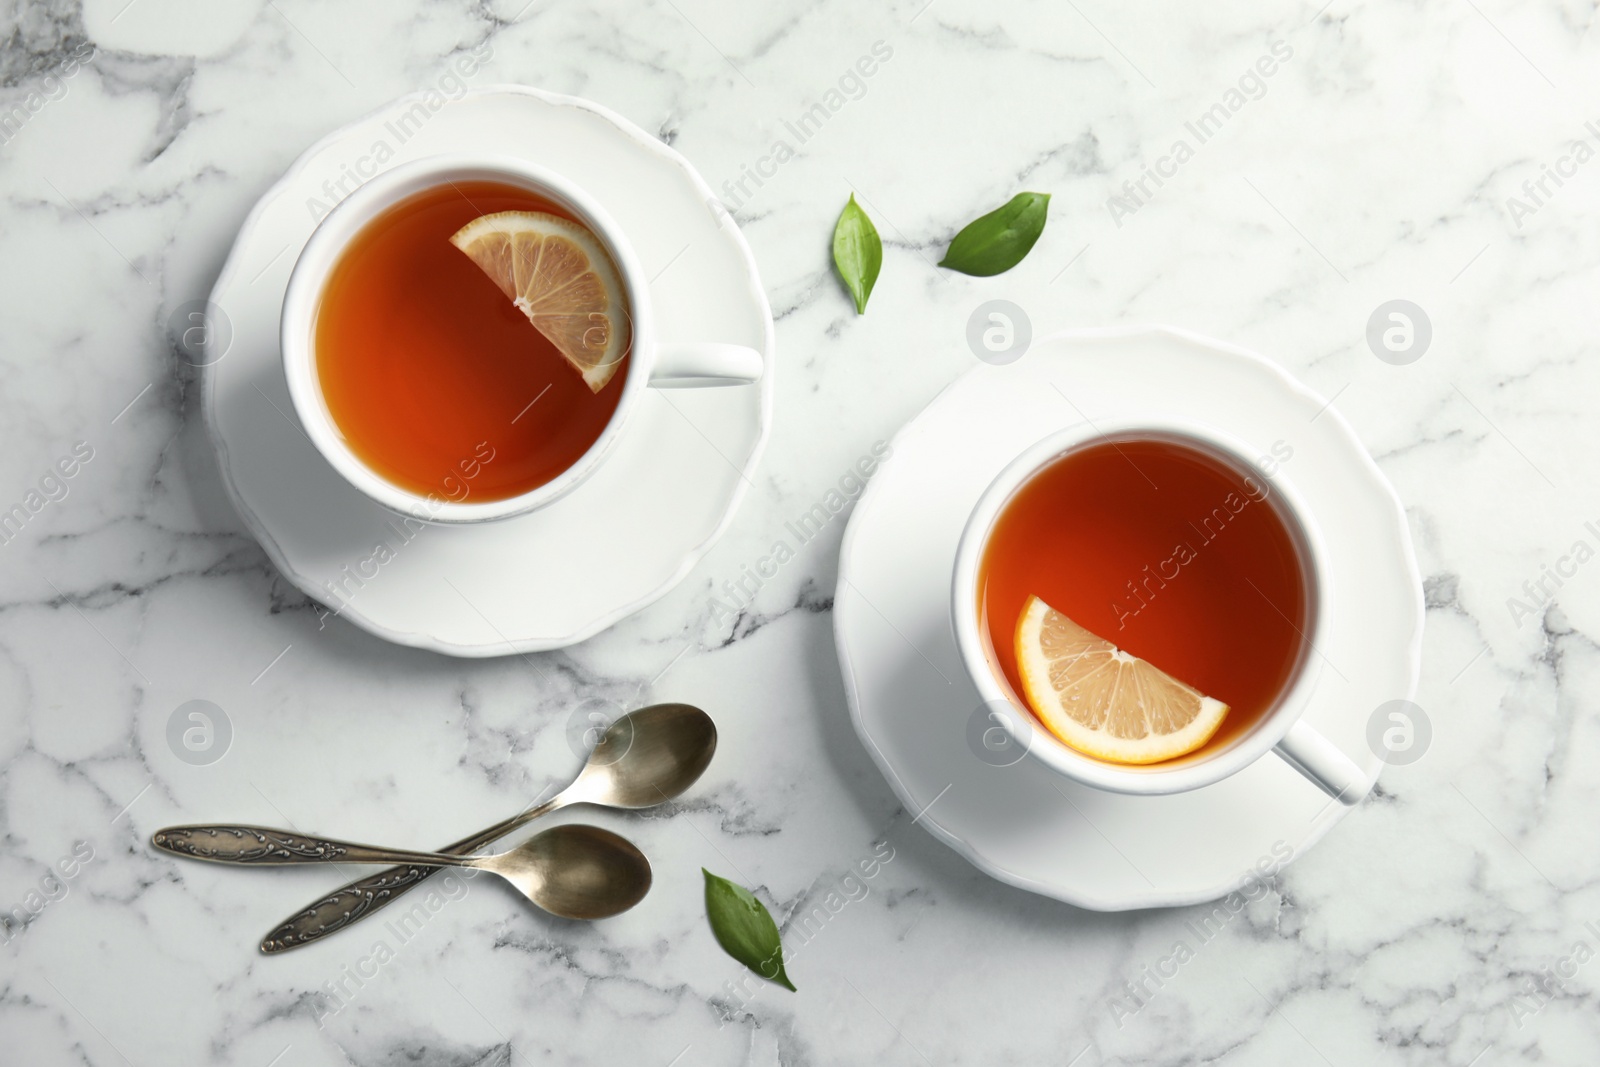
(1102, 701)
(561, 277)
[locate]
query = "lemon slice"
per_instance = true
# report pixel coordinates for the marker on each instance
(1102, 701)
(562, 279)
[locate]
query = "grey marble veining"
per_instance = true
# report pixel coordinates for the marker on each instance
(1394, 152)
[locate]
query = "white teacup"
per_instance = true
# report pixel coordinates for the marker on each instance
(652, 363)
(1281, 729)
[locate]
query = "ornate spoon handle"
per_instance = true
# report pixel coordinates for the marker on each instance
(261, 846)
(349, 904)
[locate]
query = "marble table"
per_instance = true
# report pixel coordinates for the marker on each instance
(1440, 153)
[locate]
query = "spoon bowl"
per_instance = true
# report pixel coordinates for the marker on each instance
(576, 871)
(648, 757)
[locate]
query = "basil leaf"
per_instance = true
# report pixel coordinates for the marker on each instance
(996, 242)
(744, 928)
(857, 252)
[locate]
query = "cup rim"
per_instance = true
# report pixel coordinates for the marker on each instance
(322, 252)
(1023, 726)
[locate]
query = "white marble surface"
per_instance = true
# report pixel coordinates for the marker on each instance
(1377, 163)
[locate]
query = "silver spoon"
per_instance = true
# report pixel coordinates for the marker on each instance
(574, 871)
(645, 758)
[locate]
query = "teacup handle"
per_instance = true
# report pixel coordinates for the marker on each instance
(1314, 756)
(689, 365)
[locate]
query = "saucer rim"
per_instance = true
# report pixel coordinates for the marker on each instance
(690, 557)
(1134, 899)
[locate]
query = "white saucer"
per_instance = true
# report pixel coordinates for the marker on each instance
(619, 541)
(913, 705)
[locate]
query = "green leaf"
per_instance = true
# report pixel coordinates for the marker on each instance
(857, 252)
(744, 928)
(996, 242)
